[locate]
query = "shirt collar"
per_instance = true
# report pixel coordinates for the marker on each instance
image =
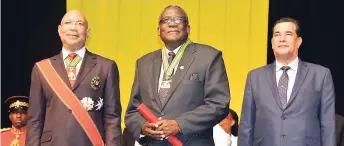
(175, 51)
(19, 131)
(81, 52)
(293, 65)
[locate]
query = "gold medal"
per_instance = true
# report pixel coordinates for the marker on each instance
(71, 69)
(71, 76)
(165, 84)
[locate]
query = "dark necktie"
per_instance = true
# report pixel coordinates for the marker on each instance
(164, 90)
(283, 86)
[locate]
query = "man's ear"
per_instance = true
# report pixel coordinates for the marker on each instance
(9, 117)
(188, 29)
(158, 31)
(58, 29)
(299, 42)
(88, 32)
(232, 123)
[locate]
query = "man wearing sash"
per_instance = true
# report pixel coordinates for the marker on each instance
(74, 96)
(184, 83)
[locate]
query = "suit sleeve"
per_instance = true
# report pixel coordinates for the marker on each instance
(327, 112)
(112, 108)
(216, 99)
(248, 114)
(36, 111)
(133, 119)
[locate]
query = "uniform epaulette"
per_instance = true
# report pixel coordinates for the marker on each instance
(4, 129)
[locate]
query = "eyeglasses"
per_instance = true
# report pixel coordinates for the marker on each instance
(77, 23)
(177, 20)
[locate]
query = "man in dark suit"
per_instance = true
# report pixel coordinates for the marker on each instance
(190, 96)
(94, 80)
(289, 102)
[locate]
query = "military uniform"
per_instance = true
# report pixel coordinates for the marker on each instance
(13, 136)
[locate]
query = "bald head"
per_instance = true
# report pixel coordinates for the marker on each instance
(73, 30)
(175, 7)
(74, 14)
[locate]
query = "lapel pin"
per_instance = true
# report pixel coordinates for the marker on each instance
(181, 67)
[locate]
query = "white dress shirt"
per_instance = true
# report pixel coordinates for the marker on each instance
(162, 66)
(291, 74)
(136, 143)
(221, 138)
(81, 52)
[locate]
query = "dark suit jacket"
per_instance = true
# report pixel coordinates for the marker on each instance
(197, 104)
(51, 123)
(127, 138)
(308, 119)
(340, 130)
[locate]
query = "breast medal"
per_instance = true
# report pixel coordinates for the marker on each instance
(165, 84)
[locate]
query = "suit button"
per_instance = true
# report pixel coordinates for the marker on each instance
(283, 117)
(162, 114)
(70, 111)
(283, 135)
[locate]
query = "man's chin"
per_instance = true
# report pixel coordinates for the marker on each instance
(174, 40)
(73, 46)
(18, 125)
(283, 53)
(73, 42)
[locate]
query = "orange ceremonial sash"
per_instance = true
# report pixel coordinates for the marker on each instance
(71, 101)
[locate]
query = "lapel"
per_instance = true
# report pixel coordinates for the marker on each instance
(185, 61)
(300, 77)
(87, 64)
(271, 76)
(58, 65)
(154, 73)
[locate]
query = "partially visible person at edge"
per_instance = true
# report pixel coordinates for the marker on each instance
(339, 130)
(128, 139)
(15, 136)
(226, 132)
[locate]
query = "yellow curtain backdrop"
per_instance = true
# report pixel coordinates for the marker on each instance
(124, 30)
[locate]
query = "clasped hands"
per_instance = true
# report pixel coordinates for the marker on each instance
(160, 129)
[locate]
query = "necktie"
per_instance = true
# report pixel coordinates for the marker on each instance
(163, 88)
(283, 86)
(71, 61)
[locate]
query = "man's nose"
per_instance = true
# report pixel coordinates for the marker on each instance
(172, 24)
(73, 26)
(282, 38)
(18, 115)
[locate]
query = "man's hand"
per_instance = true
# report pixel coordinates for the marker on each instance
(149, 129)
(168, 127)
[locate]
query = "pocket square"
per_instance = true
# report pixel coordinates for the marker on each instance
(194, 77)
